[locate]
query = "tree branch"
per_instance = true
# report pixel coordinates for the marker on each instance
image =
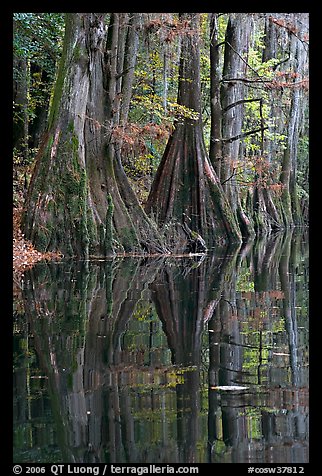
(220, 44)
(234, 173)
(245, 80)
(281, 62)
(125, 71)
(244, 134)
(246, 62)
(241, 101)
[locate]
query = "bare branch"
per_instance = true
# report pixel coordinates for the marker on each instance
(244, 134)
(281, 62)
(246, 80)
(241, 101)
(125, 71)
(234, 173)
(246, 62)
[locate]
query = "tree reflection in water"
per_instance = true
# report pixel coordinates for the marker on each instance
(123, 360)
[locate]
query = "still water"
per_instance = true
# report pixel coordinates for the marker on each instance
(168, 360)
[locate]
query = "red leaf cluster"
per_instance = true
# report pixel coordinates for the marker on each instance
(169, 28)
(133, 136)
(284, 24)
(287, 74)
(267, 175)
(302, 84)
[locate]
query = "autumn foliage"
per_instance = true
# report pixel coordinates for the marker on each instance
(132, 136)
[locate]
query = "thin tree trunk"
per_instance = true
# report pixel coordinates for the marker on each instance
(130, 57)
(268, 215)
(38, 124)
(20, 101)
(296, 113)
(215, 150)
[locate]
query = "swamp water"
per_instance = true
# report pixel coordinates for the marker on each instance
(165, 360)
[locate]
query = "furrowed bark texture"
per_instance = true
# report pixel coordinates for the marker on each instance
(232, 96)
(266, 203)
(272, 211)
(299, 64)
(186, 189)
(79, 201)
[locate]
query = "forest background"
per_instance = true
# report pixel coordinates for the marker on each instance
(198, 125)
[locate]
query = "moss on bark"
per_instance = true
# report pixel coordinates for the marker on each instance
(91, 207)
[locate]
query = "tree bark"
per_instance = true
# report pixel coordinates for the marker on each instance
(298, 63)
(20, 102)
(286, 42)
(232, 104)
(266, 211)
(186, 189)
(37, 125)
(215, 149)
(130, 57)
(75, 202)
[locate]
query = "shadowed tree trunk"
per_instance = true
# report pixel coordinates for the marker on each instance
(37, 126)
(20, 102)
(186, 189)
(129, 62)
(79, 200)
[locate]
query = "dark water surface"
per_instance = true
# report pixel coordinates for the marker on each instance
(169, 360)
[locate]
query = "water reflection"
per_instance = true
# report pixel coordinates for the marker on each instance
(124, 360)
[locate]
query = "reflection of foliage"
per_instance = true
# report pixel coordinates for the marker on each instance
(143, 311)
(43, 452)
(167, 377)
(141, 389)
(244, 281)
(252, 355)
(145, 336)
(24, 355)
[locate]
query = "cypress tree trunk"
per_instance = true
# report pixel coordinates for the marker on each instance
(232, 96)
(76, 203)
(267, 209)
(186, 189)
(298, 64)
(284, 40)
